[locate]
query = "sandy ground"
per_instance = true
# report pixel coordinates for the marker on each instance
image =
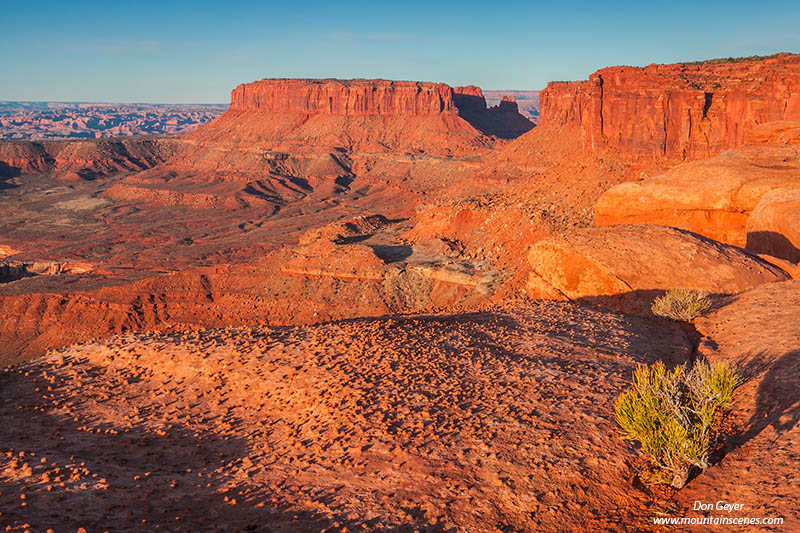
(494, 421)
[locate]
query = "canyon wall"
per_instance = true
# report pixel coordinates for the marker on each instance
(680, 111)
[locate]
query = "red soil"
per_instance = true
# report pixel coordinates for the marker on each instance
(483, 422)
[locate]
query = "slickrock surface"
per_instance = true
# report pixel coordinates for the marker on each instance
(758, 332)
(713, 197)
(500, 421)
(58, 120)
(625, 267)
(683, 111)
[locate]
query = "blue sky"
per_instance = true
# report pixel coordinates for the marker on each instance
(196, 52)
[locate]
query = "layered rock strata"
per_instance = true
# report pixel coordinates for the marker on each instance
(682, 111)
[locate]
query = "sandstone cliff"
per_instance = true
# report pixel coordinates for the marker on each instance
(683, 111)
(344, 97)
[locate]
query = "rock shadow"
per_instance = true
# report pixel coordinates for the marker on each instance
(392, 254)
(772, 243)
(503, 120)
(778, 395)
(639, 302)
(72, 472)
(7, 173)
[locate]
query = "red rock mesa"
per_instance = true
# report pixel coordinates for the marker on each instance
(344, 97)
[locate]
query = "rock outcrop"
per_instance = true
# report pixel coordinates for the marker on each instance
(527, 101)
(364, 116)
(756, 332)
(295, 117)
(14, 270)
(625, 267)
(681, 111)
(774, 225)
(365, 249)
(713, 197)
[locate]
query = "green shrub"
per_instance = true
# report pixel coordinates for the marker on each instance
(672, 413)
(681, 304)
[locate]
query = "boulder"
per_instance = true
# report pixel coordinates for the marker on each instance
(625, 267)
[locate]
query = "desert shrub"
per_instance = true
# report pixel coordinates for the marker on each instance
(672, 414)
(681, 304)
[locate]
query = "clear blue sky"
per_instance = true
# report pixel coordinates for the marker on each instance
(196, 52)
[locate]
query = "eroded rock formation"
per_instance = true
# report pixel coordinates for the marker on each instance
(344, 97)
(713, 197)
(83, 159)
(502, 120)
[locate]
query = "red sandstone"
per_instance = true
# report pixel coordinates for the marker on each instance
(344, 97)
(371, 423)
(683, 111)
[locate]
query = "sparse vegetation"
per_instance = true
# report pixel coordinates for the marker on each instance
(672, 414)
(681, 304)
(722, 60)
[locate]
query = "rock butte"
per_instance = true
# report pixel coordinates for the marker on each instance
(369, 116)
(344, 97)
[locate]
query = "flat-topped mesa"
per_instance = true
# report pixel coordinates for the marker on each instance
(356, 97)
(682, 111)
(301, 116)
